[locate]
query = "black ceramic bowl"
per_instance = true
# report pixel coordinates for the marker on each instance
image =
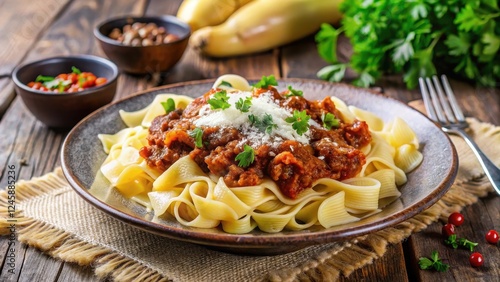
(63, 110)
(144, 59)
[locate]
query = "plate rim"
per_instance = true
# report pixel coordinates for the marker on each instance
(250, 240)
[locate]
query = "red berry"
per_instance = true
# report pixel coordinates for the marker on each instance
(476, 259)
(448, 230)
(492, 237)
(456, 219)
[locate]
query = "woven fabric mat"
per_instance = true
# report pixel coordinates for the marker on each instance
(54, 219)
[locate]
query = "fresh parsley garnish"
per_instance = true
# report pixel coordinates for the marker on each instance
(75, 70)
(433, 263)
(225, 83)
(168, 105)
(330, 121)
(57, 84)
(266, 81)
(415, 39)
(197, 134)
(265, 124)
(244, 105)
(294, 92)
(246, 157)
(299, 121)
(219, 100)
(460, 242)
(44, 78)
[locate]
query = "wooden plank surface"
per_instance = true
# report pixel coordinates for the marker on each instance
(68, 30)
(22, 23)
(29, 141)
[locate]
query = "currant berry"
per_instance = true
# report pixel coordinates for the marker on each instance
(456, 219)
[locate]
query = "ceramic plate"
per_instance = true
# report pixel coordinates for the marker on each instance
(82, 155)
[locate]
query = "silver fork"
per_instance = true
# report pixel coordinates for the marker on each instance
(443, 108)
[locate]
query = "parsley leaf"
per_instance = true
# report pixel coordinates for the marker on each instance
(265, 125)
(332, 73)
(197, 134)
(460, 242)
(225, 83)
(75, 70)
(219, 100)
(294, 92)
(329, 121)
(169, 105)
(246, 157)
(44, 78)
(299, 121)
(244, 105)
(415, 39)
(57, 83)
(266, 81)
(327, 42)
(433, 263)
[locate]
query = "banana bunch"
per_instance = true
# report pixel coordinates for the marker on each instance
(223, 28)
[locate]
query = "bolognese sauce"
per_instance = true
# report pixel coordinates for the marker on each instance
(287, 138)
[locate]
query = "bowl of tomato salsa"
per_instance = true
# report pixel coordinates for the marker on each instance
(60, 91)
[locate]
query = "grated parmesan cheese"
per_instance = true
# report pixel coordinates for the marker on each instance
(262, 105)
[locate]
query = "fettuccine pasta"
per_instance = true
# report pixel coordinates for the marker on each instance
(197, 198)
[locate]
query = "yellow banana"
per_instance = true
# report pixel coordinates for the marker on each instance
(201, 13)
(264, 24)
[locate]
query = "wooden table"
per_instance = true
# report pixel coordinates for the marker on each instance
(33, 29)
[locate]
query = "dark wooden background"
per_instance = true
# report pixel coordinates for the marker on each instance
(34, 29)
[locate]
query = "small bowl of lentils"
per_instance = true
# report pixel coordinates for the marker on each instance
(142, 45)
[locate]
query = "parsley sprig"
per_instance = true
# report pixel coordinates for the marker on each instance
(415, 38)
(299, 121)
(460, 242)
(433, 263)
(219, 100)
(247, 157)
(266, 81)
(265, 124)
(168, 105)
(244, 105)
(294, 92)
(76, 70)
(197, 134)
(225, 84)
(330, 121)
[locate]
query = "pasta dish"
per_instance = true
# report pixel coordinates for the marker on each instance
(243, 156)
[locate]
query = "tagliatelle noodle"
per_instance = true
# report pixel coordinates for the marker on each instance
(193, 198)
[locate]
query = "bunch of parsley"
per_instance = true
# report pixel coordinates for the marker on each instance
(415, 38)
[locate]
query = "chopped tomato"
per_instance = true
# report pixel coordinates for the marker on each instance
(74, 81)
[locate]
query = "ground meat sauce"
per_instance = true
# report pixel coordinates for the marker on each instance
(293, 165)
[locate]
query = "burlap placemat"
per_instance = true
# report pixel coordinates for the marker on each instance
(54, 219)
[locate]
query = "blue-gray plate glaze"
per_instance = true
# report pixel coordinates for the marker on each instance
(82, 155)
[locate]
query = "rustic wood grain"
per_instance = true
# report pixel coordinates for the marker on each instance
(30, 142)
(74, 272)
(22, 23)
(38, 266)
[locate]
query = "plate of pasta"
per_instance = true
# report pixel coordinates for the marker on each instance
(259, 167)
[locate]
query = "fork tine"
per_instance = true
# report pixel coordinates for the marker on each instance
(444, 101)
(427, 99)
(435, 102)
(451, 97)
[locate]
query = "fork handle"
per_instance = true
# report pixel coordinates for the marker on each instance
(490, 169)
